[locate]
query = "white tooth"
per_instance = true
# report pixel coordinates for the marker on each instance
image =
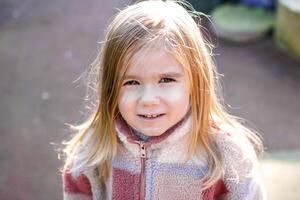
(150, 116)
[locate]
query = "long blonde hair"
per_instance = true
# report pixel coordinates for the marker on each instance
(173, 25)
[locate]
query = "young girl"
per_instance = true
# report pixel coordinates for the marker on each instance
(159, 130)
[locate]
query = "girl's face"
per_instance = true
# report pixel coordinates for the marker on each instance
(154, 94)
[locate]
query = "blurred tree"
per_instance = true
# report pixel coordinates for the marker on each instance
(287, 32)
(205, 6)
(260, 3)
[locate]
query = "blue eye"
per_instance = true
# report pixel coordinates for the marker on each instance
(167, 80)
(131, 82)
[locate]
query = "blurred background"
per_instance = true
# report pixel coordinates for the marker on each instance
(46, 45)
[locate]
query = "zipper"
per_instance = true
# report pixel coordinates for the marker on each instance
(143, 156)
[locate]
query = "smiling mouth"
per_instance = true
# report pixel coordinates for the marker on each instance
(151, 116)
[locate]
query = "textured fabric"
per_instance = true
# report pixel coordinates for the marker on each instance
(166, 176)
(76, 188)
(218, 190)
(241, 170)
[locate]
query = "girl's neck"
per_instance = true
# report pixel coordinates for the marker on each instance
(141, 137)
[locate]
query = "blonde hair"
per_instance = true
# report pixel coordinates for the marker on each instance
(172, 25)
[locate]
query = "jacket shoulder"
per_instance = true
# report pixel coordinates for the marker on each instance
(76, 187)
(241, 173)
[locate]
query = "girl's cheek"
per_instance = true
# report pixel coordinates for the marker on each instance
(175, 93)
(128, 97)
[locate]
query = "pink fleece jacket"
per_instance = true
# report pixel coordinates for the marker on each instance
(155, 170)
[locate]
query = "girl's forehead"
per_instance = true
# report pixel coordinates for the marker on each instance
(154, 62)
(152, 57)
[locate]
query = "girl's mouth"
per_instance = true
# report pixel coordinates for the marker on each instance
(154, 116)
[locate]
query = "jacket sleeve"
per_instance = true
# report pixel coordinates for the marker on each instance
(241, 172)
(76, 188)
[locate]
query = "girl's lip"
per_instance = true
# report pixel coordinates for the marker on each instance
(156, 114)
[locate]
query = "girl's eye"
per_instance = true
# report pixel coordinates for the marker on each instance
(166, 80)
(131, 82)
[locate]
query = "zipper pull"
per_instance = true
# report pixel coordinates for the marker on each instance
(143, 150)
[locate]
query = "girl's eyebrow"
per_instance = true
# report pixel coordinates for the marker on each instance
(172, 74)
(168, 74)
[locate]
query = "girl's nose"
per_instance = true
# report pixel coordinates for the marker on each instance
(149, 96)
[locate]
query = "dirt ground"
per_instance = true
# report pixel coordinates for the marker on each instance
(46, 45)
